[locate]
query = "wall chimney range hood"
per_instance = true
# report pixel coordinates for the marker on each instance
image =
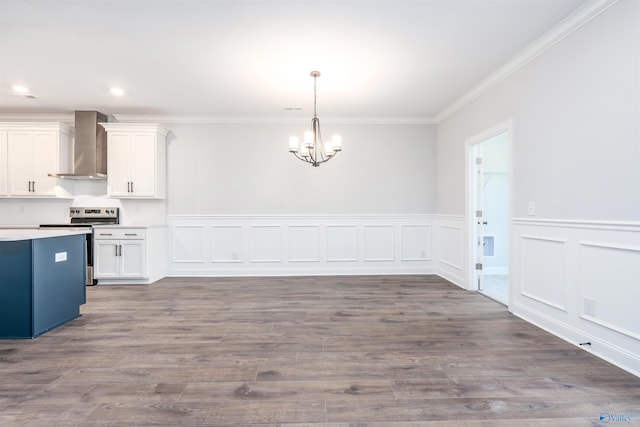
(89, 148)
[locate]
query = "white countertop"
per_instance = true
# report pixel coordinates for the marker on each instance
(13, 234)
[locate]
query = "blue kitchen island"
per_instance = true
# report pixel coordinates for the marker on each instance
(42, 280)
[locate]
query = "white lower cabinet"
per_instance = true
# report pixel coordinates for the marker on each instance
(120, 253)
(129, 254)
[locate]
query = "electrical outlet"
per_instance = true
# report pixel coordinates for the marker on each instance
(590, 307)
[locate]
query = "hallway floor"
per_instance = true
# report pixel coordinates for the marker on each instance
(496, 286)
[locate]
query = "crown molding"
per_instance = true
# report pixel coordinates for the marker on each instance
(219, 120)
(224, 120)
(36, 117)
(563, 29)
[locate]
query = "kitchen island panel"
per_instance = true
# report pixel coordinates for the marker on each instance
(15, 289)
(42, 284)
(58, 285)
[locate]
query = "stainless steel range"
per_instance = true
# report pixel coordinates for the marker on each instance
(87, 218)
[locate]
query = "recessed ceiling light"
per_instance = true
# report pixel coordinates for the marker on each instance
(20, 89)
(117, 91)
(293, 108)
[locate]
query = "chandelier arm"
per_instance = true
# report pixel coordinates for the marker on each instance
(301, 158)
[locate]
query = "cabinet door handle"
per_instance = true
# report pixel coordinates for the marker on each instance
(130, 234)
(34, 186)
(106, 234)
(120, 250)
(132, 186)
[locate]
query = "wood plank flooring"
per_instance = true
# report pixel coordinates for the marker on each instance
(365, 351)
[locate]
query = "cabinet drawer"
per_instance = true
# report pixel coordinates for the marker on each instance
(119, 234)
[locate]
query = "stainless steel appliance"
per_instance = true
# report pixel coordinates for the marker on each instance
(87, 218)
(89, 147)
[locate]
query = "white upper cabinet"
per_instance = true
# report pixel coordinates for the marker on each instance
(136, 160)
(32, 151)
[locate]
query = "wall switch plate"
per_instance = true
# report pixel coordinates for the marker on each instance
(531, 209)
(590, 307)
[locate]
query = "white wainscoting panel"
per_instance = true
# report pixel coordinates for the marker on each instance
(266, 243)
(304, 243)
(611, 281)
(378, 243)
(416, 241)
(227, 243)
(451, 246)
(187, 243)
(543, 270)
(580, 280)
(342, 243)
(248, 245)
(451, 257)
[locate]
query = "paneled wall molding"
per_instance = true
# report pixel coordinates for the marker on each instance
(252, 245)
(579, 280)
(451, 259)
(614, 328)
(610, 246)
(544, 301)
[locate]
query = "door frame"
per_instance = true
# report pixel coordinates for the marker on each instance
(470, 143)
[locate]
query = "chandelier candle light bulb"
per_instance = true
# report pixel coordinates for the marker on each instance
(313, 150)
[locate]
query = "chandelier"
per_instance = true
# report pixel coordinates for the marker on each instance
(313, 150)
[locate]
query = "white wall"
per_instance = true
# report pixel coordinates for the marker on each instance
(575, 111)
(576, 116)
(246, 169)
(240, 204)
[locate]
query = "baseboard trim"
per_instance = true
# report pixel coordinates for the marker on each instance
(599, 348)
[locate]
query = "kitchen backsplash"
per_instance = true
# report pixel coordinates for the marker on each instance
(34, 211)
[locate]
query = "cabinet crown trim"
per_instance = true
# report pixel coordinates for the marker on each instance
(36, 126)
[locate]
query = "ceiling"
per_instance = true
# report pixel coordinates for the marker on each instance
(250, 59)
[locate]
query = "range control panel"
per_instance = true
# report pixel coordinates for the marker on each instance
(94, 213)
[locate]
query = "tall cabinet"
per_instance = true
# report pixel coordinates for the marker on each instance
(137, 156)
(29, 152)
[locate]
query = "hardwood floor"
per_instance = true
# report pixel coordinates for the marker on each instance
(366, 351)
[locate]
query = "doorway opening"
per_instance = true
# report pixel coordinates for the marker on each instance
(488, 184)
